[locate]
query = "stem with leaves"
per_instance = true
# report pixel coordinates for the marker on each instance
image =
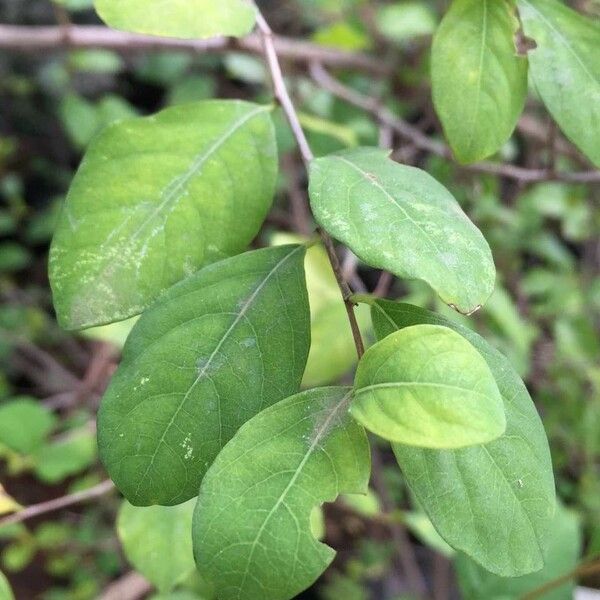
(282, 95)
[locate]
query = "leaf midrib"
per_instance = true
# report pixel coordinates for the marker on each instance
(172, 190)
(479, 73)
(395, 384)
(323, 429)
(376, 184)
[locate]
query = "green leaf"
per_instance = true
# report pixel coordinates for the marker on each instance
(427, 386)
(479, 82)
(565, 69)
(215, 350)
(179, 18)
(155, 199)
(400, 219)
(24, 424)
(67, 456)
(157, 541)
(251, 528)
(5, 591)
(495, 501)
(561, 555)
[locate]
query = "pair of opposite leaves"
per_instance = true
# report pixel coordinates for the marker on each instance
(251, 531)
(479, 78)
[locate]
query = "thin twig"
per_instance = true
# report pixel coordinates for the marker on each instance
(281, 94)
(52, 505)
(422, 141)
(34, 39)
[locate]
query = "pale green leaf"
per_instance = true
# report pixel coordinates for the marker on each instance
(24, 424)
(479, 82)
(561, 555)
(427, 386)
(565, 69)
(179, 18)
(157, 541)
(155, 199)
(400, 219)
(251, 531)
(494, 501)
(5, 591)
(215, 350)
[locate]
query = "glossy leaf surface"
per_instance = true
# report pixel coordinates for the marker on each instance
(218, 348)
(400, 219)
(427, 386)
(179, 18)
(494, 501)
(251, 532)
(154, 199)
(565, 68)
(479, 82)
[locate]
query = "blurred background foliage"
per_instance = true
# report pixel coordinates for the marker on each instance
(544, 314)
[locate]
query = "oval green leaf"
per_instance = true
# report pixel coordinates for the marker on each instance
(565, 69)
(251, 532)
(154, 199)
(493, 501)
(427, 386)
(179, 18)
(400, 219)
(479, 82)
(215, 350)
(157, 541)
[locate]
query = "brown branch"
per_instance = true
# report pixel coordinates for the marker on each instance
(52, 505)
(283, 97)
(422, 141)
(33, 39)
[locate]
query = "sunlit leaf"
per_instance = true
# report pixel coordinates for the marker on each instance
(427, 386)
(179, 18)
(155, 199)
(495, 501)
